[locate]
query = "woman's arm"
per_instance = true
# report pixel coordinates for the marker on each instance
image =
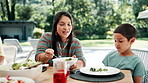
(44, 53)
(77, 53)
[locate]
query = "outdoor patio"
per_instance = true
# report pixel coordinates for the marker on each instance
(93, 55)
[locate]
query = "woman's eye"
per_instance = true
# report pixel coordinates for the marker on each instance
(69, 24)
(61, 24)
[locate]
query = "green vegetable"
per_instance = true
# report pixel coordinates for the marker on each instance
(97, 70)
(92, 69)
(68, 59)
(105, 69)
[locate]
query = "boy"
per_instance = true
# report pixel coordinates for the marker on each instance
(124, 58)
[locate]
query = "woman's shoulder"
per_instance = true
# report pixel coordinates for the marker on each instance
(47, 33)
(76, 41)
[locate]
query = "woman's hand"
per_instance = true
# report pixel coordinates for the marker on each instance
(77, 65)
(74, 66)
(1, 60)
(49, 53)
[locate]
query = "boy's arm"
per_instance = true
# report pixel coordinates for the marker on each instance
(137, 79)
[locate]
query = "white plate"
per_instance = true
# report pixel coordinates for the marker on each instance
(27, 80)
(110, 71)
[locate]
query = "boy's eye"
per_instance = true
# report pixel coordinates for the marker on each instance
(120, 41)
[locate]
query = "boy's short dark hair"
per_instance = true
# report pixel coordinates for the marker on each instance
(127, 30)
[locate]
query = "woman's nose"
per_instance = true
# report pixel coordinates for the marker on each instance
(65, 27)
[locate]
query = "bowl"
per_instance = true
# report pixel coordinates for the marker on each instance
(6, 70)
(69, 60)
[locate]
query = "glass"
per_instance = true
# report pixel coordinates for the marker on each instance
(60, 71)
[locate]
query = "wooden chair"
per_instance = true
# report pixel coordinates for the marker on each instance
(143, 54)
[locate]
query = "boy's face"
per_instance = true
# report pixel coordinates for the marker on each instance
(121, 42)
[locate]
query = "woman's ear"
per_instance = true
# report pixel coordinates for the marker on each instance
(132, 40)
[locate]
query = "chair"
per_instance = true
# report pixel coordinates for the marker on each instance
(1, 52)
(2, 59)
(34, 43)
(143, 54)
(14, 42)
(10, 53)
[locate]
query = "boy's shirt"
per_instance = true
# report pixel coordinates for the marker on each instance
(132, 63)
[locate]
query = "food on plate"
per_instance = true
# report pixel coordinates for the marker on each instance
(98, 69)
(69, 59)
(9, 80)
(25, 65)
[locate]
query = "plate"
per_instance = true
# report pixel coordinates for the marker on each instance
(107, 71)
(27, 80)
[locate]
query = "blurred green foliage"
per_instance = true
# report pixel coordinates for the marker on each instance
(93, 19)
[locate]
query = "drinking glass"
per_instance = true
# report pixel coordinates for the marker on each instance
(60, 71)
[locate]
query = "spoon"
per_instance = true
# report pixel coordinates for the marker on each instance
(54, 56)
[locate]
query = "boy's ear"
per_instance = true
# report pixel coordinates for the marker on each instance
(132, 40)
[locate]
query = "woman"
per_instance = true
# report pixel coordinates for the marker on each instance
(60, 43)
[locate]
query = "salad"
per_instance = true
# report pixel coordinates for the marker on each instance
(25, 65)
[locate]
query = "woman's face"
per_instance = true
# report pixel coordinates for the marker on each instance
(64, 27)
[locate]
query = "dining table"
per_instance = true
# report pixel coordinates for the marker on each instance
(47, 77)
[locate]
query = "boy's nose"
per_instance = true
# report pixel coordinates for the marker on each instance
(116, 43)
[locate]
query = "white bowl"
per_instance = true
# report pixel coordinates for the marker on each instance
(30, 73)
(70, 62)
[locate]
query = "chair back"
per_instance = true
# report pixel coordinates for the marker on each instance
(1, 52)
(14, 42)
(34, 43)
(143, 54)
(10, 53)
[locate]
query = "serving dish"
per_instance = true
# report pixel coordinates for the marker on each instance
(69, 60)
(7, 70)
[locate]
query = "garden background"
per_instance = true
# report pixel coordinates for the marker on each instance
(94, 20)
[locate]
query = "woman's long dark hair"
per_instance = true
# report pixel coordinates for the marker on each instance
(55, 36)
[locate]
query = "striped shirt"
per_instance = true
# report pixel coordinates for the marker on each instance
(45, 42)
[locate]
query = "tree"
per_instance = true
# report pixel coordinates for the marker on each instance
(24, 12)
(10, 7)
